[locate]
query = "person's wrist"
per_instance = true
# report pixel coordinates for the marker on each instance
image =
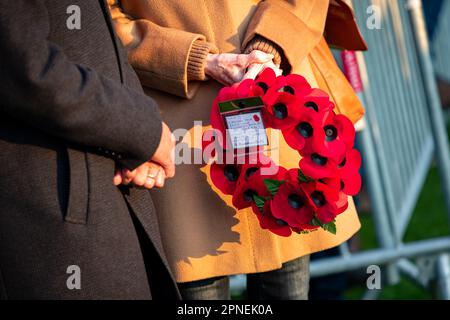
(210, 57)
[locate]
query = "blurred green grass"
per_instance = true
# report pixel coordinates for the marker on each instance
(429, 220)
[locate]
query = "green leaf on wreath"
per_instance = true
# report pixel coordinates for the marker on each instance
(259, 201)
(316, 222)
(330, 227)
(302, 178)
(273, 185)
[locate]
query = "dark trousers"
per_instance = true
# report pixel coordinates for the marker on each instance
(291, 282)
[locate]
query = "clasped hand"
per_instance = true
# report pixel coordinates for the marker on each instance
(231, 68)
(154, 172)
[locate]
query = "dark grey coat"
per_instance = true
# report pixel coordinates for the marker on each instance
(71, 108)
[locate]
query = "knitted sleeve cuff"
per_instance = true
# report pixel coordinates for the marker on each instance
(267, 46)
(197, 60)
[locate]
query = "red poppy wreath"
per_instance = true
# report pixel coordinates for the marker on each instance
(284, 200)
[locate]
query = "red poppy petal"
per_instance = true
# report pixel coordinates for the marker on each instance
(220, 180)
(352, 185)
(331, 193)
(342, 203)
(303, 217)
(294, 139)
(320, 98)
(298, 86)
(292, 177)
(335, 149)
(247, 89)
(352, 163)
(297, 81)
(346, 129)
(315, 171)
(267, 76)
(326, 214)
(267, 221)
(227, 93)
(209, 146)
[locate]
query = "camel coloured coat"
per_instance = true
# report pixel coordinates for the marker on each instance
(167, 43)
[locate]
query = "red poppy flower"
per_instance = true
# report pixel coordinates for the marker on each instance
(280, 110)
(338, 137)
(293, 84)
(317, 166)
(266, 79)
(335, 184)
(325, 200)
(317, 100)
(350, 180)
(252, 185)
(248, 88)
(325, 140)
(269, 222)
(306, 133)
(291, 204)
(225, 176)
(251, 181)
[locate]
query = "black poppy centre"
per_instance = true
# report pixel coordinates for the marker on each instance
(231, 173)
(280, 110)
(318, 198)
(263, 86)
(312, 105)
(318, 159)
(251, 171)
(287, 89)
(305, 129)
(295, 201)
(331, 133)
(248, 195)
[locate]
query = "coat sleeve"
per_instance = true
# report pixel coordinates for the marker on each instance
(41, 87)
(165, 59)
(294, 27)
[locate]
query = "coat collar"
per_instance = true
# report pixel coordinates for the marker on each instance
(341, 29)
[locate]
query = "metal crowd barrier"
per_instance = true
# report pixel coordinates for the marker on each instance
(404, 129)
(440, 42)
